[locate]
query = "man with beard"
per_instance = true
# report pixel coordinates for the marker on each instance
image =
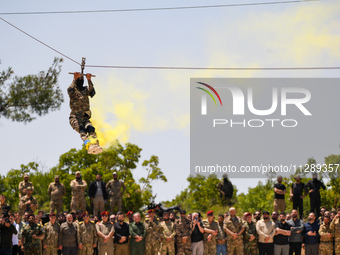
(281, 244)
(234, 228)
(183, 234)
(67, 240)
(98, 195)
(167, 235)
(296, 194)
(56, 190)
(152, 229)
(105, 231)
(326, 237)
(31, 235)
(210, 232)
(279, 195)
(275, 217)
(322, 214)
(137, 232)
(250, 236)
(121, 236)
(28, 203)
(335, 224)
(296, 228)
(50, 242)
(221, 237)
(313, 188)
(311, 235)
(265, 228)
(257, 216)
(86, 235)
(78, 187)
(80, 111)
(115, 189)
(24, 185)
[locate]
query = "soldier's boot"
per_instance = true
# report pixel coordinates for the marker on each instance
(94, 147)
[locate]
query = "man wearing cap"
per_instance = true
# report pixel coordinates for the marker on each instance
(86, 235)
(130, 216)
(105, 231)
(78, 187)
(137, 232)
(326, 237)
(234, 228)
(28, 203)
(313, 189)
(296, 194)
(31, 236)
(279, 195)
(250, 236)
(167, 235)
(335, 224)
(67, 239)
(115, 189)
(56, 190)
(210, 232)
(265, 228)
(121, 236)
(183, 234)
(51, 233)
(98, 195)
(24, 185)
(152, 237)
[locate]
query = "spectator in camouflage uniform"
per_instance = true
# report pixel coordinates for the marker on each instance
(221, 237)
(28, 203)
(326, 237)
(234, 228)
(335, 224)
(168, 233)
(24, 185)
(78, 187)
(137, 232)
(210, 232)
(86, 235)
(31, 236)
(250, 236)
(183, 235)
(56, 190)
(152, 228)
(50, 242)
(105, 231)
(80, 106)
(116, 189)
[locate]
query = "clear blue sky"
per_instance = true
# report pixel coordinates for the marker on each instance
(150, 108)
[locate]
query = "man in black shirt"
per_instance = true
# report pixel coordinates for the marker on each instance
(279, 197)
(282, 228)
(121, 235)
(313, 188)
(7, 230)
(197, 235)
(296, 194)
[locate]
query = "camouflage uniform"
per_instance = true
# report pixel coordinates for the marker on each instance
(167, 230)
(335, 225)
(87, 236)
(56, 191)
(24, 185)
(234, 225)
(210, 246)
(25, 207)
(326, 242)
(32, 246)
(80, 108)
(51, 238)
(106, 229)
(114, 189)
(78, 195)
(183, 228)
(152, 237)
(250, 248)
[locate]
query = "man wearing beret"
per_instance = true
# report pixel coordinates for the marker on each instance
(210, 232)
(78, 187)
(87, 235)
(183, 234)
(50, 242)
(234, 228)
(105, 231)
(250, 236)
(56, 190)
(137, 232)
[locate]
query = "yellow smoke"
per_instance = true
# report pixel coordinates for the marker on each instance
(153, 101)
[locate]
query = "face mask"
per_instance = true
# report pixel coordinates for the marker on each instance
(80, 83)
(56, 181)
(26, 180)
(78, 178)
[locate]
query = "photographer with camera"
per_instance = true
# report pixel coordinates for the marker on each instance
(6, 233)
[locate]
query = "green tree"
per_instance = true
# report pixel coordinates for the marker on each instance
(25, 97)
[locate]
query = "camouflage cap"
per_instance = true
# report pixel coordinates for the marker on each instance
(56, 176)
(26, 175)
(29, 188)
(114, 173)
(78, 172)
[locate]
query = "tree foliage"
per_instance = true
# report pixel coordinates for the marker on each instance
(25, 97)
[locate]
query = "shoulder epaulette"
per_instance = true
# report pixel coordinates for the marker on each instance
(81, 222)
(45, 223)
